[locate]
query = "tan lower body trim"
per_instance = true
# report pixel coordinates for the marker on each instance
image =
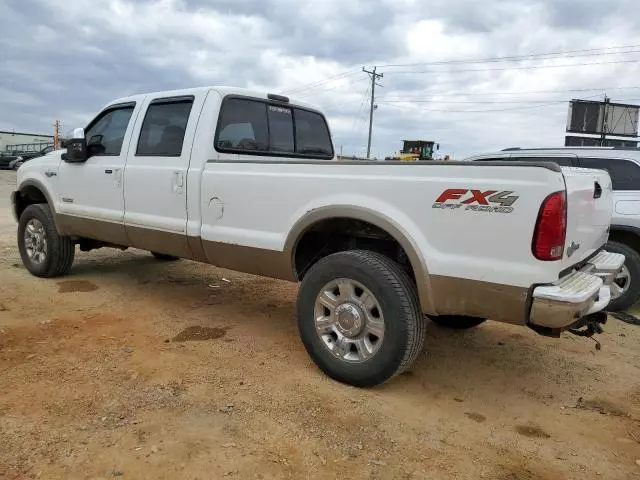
(459, 296)
(101, 230)
(195, 245)
(258, 261)
(451, 296)
(159, 241)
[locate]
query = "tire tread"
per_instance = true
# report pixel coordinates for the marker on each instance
(62, 249)
(393, 276)
(632, 259)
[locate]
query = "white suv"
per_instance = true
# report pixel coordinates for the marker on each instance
(623, 165)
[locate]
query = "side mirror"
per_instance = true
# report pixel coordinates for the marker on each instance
(76, 148)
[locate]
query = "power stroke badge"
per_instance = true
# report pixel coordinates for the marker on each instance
(493, 201)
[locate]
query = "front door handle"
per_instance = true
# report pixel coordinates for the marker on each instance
(108, 171)
(50, 174)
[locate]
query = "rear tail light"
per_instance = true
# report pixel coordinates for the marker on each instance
(551, 228)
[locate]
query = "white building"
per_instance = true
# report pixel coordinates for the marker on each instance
(23, 141)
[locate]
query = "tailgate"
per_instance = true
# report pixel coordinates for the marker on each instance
(589, 209)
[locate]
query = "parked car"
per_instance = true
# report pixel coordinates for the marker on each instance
(7, 159)
(623, 165)
(249, 181)
(26, 156)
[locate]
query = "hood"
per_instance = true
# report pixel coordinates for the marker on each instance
(52, 159)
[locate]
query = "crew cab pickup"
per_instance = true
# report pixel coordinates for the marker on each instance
(249, 181)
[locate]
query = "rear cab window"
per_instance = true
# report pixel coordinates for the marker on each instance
(260, 127)
(625, 174)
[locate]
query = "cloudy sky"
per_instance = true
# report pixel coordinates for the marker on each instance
(445, 75)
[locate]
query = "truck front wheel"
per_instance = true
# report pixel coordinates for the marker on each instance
(359, 317)
(44, 252)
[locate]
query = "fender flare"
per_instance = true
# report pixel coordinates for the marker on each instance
(31, 182)
(375, 218)
(625, 228)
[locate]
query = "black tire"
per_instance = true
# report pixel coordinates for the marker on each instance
(457, 322)
(164, 257)
(60, 249)
(632, 262)
(398, 299)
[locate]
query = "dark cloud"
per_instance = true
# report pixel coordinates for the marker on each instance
(581, 14)
(64, 60)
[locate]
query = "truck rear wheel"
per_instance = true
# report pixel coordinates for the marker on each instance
(457, 322)
(626, 288)
(44, 252)
(359, 317)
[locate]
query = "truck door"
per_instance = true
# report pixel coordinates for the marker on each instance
(155, 188)
(91, 196)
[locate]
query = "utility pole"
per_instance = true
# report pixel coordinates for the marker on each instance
(374, 76)
(605, 121)
(56, 135)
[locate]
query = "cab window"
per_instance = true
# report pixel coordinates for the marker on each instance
(562, 161)
(256, 127)
(625, 174)
(106, 133)
(312, 134)
(164, 126)
(243, 126)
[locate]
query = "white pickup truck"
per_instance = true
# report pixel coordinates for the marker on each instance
(249, 181)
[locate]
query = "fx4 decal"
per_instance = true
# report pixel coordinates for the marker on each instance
(476, 200)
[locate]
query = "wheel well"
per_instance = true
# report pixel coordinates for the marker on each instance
(28, 196)
(341, 234)
(628, 238)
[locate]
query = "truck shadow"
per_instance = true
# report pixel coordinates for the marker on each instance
(459, 363)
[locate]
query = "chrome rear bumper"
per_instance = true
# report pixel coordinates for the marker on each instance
(580, 293)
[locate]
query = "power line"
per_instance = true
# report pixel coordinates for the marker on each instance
(473, 102)
(522, 92)
(490, 102)
(558, 102)
(531, 56)
(533, 67)
(318, 83)
(356, 121)
(322, 89)
(566, 54)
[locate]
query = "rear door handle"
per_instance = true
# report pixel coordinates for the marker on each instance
(179, 179)
(178, 182)
(108, 171)
(597, 190)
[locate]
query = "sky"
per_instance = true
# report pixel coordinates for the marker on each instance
(445, 79)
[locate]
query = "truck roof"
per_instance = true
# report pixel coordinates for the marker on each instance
(545, 149)
(222, 90)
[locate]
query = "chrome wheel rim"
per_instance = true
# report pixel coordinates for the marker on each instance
(621, 283)
(35, 241)
(349, 320)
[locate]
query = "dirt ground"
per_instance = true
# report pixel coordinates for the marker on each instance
(135, 368)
